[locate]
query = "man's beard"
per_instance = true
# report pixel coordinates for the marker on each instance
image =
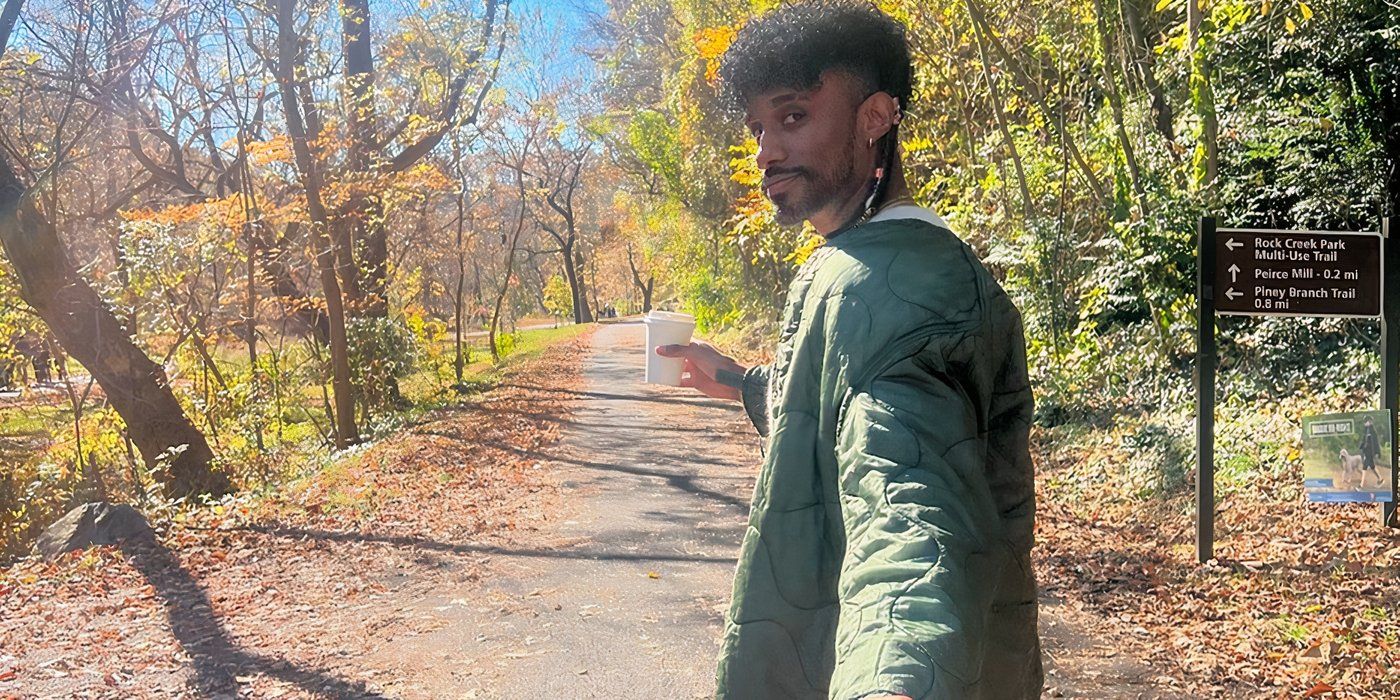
(821, 189)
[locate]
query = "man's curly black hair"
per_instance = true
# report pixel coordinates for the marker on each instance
(791, 46)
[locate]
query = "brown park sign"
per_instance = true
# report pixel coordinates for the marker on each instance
(1297, 273)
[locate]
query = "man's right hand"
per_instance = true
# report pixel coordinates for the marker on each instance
(702, 363)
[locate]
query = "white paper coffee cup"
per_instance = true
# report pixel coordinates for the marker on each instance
(666, 328)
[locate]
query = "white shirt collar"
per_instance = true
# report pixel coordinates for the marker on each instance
(909, 211)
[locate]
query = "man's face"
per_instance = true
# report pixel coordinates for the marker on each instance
(807, 146)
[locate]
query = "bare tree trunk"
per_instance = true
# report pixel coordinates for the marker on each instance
(645, 289)
(964, 100)
(8, 16)
(460, 358)
(85, 326)
(1142, 57)
(1202, 96)
(250, 321)
(505, 284)
(1115, 102)
(592, 279)
(346, 433)
(582, 314)
(999, 108)
(90, 471)
(343, 231)
(519, 168)
(1033, 90)
(363, 224)
(370, 295)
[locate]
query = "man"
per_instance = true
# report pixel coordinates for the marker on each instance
(1370, 449)
(888, 548)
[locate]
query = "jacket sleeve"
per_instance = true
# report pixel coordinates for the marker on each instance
(754, 394)
(923, 547)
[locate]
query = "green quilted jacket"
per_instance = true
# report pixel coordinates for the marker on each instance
(888, 548)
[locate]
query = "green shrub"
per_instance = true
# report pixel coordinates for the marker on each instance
(1158, 459)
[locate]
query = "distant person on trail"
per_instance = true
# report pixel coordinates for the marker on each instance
(888, 547)
(1370, 449)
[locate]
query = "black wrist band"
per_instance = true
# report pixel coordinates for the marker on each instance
(730, 379)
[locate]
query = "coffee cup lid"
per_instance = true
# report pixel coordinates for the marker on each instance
(669, 317)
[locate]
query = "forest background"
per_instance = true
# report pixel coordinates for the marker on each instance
(242, 237)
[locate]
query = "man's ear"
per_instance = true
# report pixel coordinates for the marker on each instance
(876, 116)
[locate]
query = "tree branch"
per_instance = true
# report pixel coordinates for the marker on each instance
(8, 17)
(446, 119)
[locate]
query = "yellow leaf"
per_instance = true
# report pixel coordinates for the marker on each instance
(1289, 25)
(653, 574)
(1162, 5)
(1265, 8)
(711, 44)
(1307, 11)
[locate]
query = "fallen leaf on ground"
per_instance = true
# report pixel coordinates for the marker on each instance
(1317, 690)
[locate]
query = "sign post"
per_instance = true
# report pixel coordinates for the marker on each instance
(1205, 393)
(1390, 364)
(1253, 272)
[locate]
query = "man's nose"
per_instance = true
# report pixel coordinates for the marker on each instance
(770, 151)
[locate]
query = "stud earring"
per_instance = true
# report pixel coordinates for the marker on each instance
(870, 143)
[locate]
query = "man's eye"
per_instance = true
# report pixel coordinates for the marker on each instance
(792, 118)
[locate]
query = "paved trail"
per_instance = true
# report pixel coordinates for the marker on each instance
(624, 598)
(622, 594)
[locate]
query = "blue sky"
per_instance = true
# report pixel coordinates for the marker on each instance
(567, 31)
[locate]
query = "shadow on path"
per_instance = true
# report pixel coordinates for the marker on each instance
(684, 400)
(434, 545)
(682, 481)
(217, 660)
(492, 410)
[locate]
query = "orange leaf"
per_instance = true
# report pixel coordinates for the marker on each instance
(1317, 690)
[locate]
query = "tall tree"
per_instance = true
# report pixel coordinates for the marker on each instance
(1140, 52)
(644, 288)
(558, 173)
(512, 248)
(370, 153)
(295, 97)
(85, 326)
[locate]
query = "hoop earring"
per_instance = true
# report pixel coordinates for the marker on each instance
(870, 143)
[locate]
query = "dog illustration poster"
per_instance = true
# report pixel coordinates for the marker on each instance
(1346, 457)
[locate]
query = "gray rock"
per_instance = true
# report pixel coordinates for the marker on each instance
(92, 524)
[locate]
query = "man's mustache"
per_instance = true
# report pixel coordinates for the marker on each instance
(772, 174)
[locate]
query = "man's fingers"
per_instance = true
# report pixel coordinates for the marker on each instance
(672, 350)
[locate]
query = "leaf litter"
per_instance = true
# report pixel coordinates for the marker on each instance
(304, 582)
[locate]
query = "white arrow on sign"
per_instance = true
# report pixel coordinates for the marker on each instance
(1234, 270)
(1233, 244)
(1231, 294)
